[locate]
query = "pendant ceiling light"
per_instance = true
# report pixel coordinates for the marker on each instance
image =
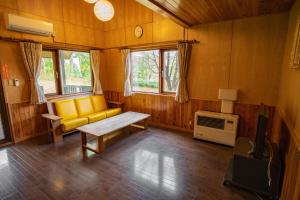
(104, 10)
(91, 1)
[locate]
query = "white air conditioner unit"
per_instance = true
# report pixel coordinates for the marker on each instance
(216, 127)
(27, 25)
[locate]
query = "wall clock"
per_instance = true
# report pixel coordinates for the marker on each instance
(138, 31)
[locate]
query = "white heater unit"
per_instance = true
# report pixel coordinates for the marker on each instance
(216, 127)
(28, 25)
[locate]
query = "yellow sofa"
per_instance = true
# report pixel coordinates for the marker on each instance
(66, 115)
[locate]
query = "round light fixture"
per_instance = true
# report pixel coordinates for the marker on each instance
(104, 10)
(91, 1)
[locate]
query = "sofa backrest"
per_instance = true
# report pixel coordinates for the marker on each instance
(72, 108)
(66, 109)
(84, 106)
(99, 103)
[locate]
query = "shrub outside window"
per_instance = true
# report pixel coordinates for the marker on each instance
(48, 78)
(154, 71)
(72, 75)
(76, 73)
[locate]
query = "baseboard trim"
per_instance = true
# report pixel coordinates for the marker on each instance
(18, 140)
(170, 127)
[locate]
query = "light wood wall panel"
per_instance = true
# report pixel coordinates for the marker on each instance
(145, 39)
(42, 8)
(291, 180)
(243, 54)
(289, 109)
(289, 96)
(289, 150)
(9, 3)
(114, 38)
(210, 60)
(79, 35)
(113, 70)
(66, 15)
(118, 21)
(99, 38)
(11, 55)
(78, 13)
(257, 49)
(136, 14)
(166, 30)
(3, 20)
(119, 31)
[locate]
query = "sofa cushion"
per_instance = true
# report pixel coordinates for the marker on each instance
(84, 106)
(71, 124)
(96, 116)
(99, 103)
(113, 111)
(66, 109)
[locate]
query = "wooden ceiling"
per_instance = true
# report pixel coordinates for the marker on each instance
(194, 12)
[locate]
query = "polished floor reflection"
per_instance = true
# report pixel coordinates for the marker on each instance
(1, 129)
(152, 164)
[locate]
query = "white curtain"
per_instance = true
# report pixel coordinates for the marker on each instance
(95, 59)
(184, 54)
(127, 66)
(32, 55)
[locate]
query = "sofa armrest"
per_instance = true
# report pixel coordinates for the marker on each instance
(53, 125)
(116, 104)
(51, 117)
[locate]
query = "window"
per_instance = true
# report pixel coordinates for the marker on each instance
(145, 71)
(154, 71)
(75, 72)
(170, 71)
(47, 78)
(72, 75)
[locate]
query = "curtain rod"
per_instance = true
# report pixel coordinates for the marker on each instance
(189, 41)
(54, 45)
(11, 39)
(170, 44)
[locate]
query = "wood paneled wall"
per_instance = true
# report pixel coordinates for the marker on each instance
(290, 158)
(291, 181)
(26, 120)
(167, 113)
(74, 21)
(244, 54)
(289, 96)
(289, 113)
(120, 30)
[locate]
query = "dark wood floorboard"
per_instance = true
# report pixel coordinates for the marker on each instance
(151, 164)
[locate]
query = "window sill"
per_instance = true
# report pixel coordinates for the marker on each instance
(155, 94)
(67, 96)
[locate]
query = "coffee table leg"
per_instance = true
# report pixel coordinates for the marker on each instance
(146, 121)
(83, 143)
(101, 144)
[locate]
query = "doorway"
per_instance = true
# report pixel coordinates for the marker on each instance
(4, 121)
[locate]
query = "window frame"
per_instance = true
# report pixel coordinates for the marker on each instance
(57, 73)
(161, 71)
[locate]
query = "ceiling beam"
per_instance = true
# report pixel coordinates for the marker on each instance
(156, 7)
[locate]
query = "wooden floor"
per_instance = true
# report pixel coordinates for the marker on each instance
(1, 129)
(151, 164)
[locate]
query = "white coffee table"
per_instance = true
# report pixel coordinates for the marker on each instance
(109, 125)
